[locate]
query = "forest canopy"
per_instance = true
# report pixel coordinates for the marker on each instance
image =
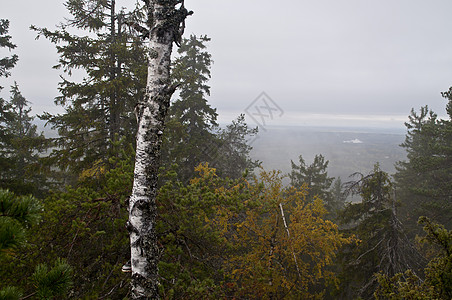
(144, 194)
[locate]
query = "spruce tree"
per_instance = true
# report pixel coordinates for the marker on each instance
(424, 180)
(191, 120)
(232, 157)
(20, 143)
(193, 135)
(338, 198)
(315, 176)
(6, 63)
(99, 110)
(383, 246)
(437, 280)
(21, 150)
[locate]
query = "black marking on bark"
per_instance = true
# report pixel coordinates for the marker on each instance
(169, 91)
(153, 54)
(144, 31)
(166, 24)
(140, 204)
(147, 284)
(130, 228)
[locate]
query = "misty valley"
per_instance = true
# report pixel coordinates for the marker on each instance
(348, 150)
(126, 185)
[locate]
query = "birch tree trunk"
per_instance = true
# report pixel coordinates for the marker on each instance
(165, 26)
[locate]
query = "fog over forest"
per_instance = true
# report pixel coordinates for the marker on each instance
(171, 149)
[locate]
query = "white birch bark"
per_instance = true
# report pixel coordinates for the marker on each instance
(288, 236)
(165, 27)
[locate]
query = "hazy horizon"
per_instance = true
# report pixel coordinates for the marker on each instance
(347, 63)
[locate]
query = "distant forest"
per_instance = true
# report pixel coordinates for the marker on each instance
(224, 227)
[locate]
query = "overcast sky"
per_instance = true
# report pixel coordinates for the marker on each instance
(322, 62)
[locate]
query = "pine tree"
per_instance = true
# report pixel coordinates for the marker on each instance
(90, 237)
(17, 215)
(52, 283)
(99, 109)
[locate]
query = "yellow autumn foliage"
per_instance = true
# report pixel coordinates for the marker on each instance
(97, 169)
(276, 244)
(282, 244)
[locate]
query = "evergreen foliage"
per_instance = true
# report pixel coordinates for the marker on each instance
(314, 175)
(91, 236)
(191, 121)
(11, 235)
(99, 110)
(21, 148)
(338, 197)
(194, 249)
(191, 72)
(6, 63)
(52, 283)
(16, 214)
(438, 273)
(221, 233)
(232, 157)
(319, 184)
(10, 293)
(193, 135)
(424, 181)
(383, 245)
